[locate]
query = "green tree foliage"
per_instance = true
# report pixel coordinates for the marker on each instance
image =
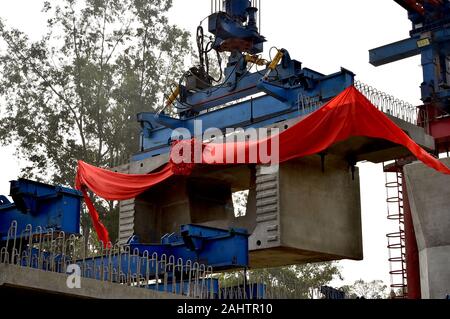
(74, 94)
(369, 290)
(295, 282)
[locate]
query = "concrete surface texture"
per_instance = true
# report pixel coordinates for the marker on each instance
(429, 195)
(21, 279)
(317, 215)
(290, 215)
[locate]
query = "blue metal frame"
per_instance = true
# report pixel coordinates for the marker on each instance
(279, 90)
(332, 293)
(280, 102)
(126, 264)
(395, 51)
(430, 38)
(40, 205)
(57, 208)
(221, 249)
(237, 26)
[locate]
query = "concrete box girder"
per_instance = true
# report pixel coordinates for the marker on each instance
(333, 208)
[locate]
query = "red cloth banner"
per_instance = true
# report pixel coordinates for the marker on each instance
(350, 114)
(113, 186)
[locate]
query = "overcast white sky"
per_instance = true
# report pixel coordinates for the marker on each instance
(324, 35)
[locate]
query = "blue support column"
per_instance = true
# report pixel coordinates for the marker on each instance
(429, 63)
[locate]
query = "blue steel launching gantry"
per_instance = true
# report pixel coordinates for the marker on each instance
(41, 230)
(283, 84)
(251, 92)
(429, 38)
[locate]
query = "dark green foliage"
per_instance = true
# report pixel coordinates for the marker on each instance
(295, 282)
(375, 289)
(74, 94)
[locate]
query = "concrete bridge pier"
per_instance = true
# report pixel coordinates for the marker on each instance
(429, 198)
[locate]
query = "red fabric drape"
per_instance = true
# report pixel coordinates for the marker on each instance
(100, 229)
(113, 186)
(116, 186)
(349, 114)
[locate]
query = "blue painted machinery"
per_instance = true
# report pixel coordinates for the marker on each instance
(332, 293)
(273, 93)
(222, 249)
(39, 208)
(40, 205)
(57, 208)
(429, 38)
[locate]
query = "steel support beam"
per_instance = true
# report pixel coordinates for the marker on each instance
(394, 52)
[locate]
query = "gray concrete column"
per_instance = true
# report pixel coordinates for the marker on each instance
(429, 196)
